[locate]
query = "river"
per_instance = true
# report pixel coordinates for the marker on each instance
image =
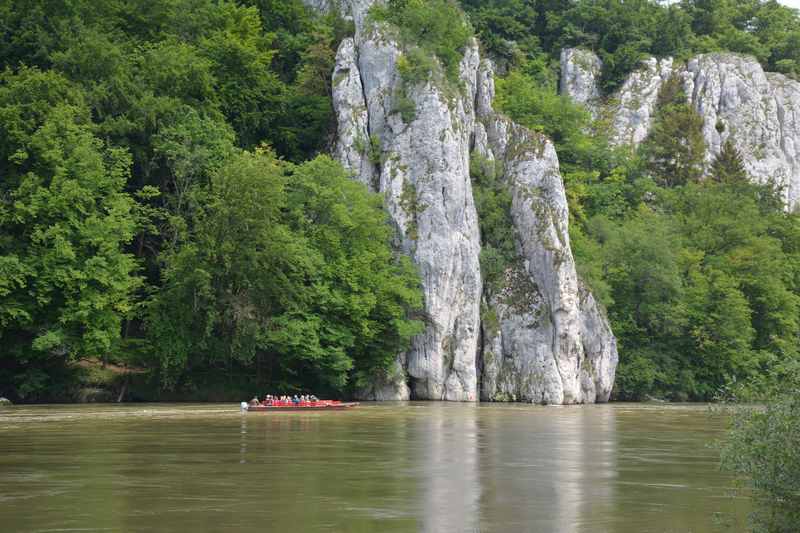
(432, 467)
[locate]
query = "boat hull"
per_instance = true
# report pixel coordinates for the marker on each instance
(282, 408)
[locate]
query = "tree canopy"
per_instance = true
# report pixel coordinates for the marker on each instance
(623, 32)
(163, 204)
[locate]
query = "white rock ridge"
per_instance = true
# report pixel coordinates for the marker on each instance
(545, 338)
(737, 100)
(420, 162)
(580, 73)
(412, 144)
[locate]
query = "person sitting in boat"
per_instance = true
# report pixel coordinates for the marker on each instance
(313, 398)
(254, 402)
(295, 399)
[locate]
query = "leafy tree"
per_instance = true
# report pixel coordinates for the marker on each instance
(730, 310)
(64, 217)
(289, 268)
(505, 28)
(761, 447)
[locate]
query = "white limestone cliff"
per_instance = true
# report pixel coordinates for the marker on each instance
(542, 339)
(412, 143)
(580, 74)
(759, 111)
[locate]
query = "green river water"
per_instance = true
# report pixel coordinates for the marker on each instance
(433, 467)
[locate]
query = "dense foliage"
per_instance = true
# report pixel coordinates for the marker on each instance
(66, 282)
(149, 216)
(531, 33)
(287, 270)
(762, 448)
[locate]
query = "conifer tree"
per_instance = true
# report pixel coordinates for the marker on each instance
(728, 166)
(675, 148)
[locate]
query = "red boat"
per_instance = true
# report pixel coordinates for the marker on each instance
(321, 405)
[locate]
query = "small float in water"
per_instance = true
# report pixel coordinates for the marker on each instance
(319, 405)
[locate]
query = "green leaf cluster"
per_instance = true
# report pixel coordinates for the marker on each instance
(703, 282)
(66, 282)
(430, 29)
(761, 448)
(287, 268)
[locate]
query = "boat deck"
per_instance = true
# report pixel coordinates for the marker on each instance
(308, 406)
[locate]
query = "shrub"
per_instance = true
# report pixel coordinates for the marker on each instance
(763, 447)
(437, 27)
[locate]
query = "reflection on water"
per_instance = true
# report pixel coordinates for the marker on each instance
(448, 473)
(385, 467)
(547, 471)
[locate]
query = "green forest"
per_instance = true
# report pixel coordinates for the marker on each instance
(167, 206)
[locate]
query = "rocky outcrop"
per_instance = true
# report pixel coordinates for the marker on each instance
(537, 326)
(390, 386)
(5, 402)
(421, 165)
(759, 111)
(599, 347)
(412, 143)
(634, 106)
(737, 100)
(353, 142)
(580, 76)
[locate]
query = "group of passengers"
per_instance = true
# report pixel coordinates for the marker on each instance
(284, 400)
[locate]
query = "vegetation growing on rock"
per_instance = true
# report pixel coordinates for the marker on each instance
(530, 35)
(696, 266)
(431, 29)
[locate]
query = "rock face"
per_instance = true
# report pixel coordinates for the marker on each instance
(580, 75)
(4, 402)
(353, 143)
(759, 111)
(538, 330)
(635, 103)
(419, 160)
(412, 143)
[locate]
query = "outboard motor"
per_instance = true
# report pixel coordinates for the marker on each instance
(243, 406)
